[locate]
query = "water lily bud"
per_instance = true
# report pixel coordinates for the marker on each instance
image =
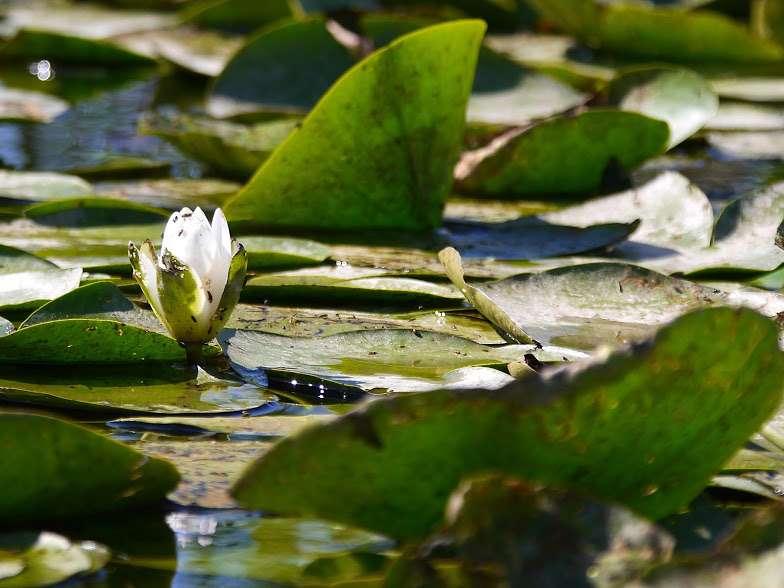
(195, 282)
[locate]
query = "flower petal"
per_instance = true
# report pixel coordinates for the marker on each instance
(218, 273)
(188, 236)
(146, 272)
(231, 293)
(220, 229)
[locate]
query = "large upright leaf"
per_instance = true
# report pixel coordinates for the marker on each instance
(504, 92)
(378, 150)
(646, 428)
(55, 469)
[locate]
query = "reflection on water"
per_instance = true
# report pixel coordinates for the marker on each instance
(92, 129)
(195, 548)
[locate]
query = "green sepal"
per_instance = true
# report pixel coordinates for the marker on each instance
(180, 294)
(231, 293)
(149, 284)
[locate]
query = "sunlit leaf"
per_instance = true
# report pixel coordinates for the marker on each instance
(646, 427)
(55, 469)
(388, 165)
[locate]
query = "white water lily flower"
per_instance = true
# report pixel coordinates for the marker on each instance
(195, 282)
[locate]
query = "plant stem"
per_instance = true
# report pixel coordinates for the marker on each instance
(193, 353)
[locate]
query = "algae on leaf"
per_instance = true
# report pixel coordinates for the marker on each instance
(378, 150)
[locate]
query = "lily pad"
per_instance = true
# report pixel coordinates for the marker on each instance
(232, 149)
(387, 360)
(749, 145)
(314, 322)
(267, 427)
(582, 306)
(51, 466)
(32, 44)
(256, 80)
(659, 33)
(506, 93)
(740, 116)
(36, 186)
(743, 239)
(138, 390)
(87, 21)
(680, 97)
(283, 252)
(94, 248)
(88, 212)
(330, 287)
(193, 50)
(532, 238)
(100, 300)
(14, 260)
(407, 132)
(532, 163)
(31, 560)
(105, 248)
(6, 326)
(171, 193)
(120, 166)
(674, 214)
(80, 341)
(25, 106)
(238, 15)
(26, 290)
(754, 89)
(655, 405)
